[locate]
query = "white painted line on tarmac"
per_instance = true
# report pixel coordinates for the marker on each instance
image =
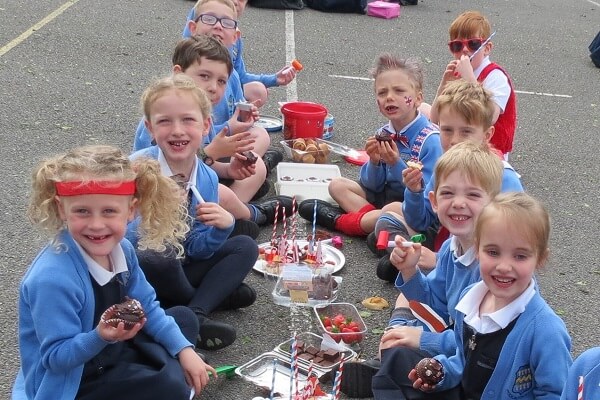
(360, 78)
(593, 2)
(23, 36)
(544, 94)
(291, 89)
(356, 78)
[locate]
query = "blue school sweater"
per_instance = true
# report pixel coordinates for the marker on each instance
(417, 210)
(588, 366)
(56, 316)
(533, 362)
(441, 290)
(202, 240)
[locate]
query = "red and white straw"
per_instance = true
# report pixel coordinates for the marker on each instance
(307, 392)
(294, 219)
(580, 389)
(284, 234)
(274, 233)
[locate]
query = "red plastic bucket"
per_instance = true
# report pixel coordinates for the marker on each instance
(303, 120)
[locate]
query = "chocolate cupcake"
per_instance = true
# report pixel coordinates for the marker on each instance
(250, 158)
(430, 371)
(383, 136)
(130, 312)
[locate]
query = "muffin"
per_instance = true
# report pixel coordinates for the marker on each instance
(430, 371)
(250, 158)
(383, 136)
(130, 312)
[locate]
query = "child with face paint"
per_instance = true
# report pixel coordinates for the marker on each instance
(407, 137)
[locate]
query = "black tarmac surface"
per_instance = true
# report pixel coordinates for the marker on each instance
(77, 80)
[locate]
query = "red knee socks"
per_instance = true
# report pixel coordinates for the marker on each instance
(350, 223)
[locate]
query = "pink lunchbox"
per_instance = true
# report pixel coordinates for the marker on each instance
(383, 9)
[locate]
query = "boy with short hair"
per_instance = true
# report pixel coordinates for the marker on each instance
(467, 177)
(255, 85)
(466, 112)
(218, 19)
(468, 32)
(408, 138)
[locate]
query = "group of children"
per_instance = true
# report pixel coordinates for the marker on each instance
(173, 226)
(470, 298)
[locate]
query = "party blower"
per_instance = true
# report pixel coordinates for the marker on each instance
(383, 241)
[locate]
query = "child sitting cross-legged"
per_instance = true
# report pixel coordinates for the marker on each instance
(408, 137)
(72, 344)
(211, 275)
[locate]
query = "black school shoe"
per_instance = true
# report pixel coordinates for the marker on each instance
(246, 228)
(327, 214)
(358, 378)
(243, 296)
(214, 335)
(271, 158)
(267, 208)
(385, 270)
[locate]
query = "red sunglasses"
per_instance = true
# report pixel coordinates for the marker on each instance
(456, 46)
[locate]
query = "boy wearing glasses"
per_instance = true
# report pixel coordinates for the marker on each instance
(255, 85)
(468, 35)
(217, 18)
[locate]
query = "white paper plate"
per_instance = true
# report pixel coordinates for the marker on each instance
(330, 253)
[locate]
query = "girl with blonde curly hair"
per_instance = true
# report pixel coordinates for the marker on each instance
(69, 345)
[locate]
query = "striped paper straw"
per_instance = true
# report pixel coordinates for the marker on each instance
(314, 228)
(580, 389)
(293, 361)
(284, 235)
(274, 233)
(307, 392)
(294, 220)
(273, 379)
(337, 384)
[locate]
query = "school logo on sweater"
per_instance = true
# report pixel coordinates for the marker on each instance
(523, 381)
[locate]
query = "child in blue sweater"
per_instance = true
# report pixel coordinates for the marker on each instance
(510, 343)
(408, 137)
(465, 112)
(211, 275)
(587, 369)
(467, 177)
(208, 63)
(255, 85)
(85, 198)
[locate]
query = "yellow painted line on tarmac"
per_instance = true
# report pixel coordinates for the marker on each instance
(23, 36)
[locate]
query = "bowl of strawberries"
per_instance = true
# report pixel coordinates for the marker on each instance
(342, 322)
